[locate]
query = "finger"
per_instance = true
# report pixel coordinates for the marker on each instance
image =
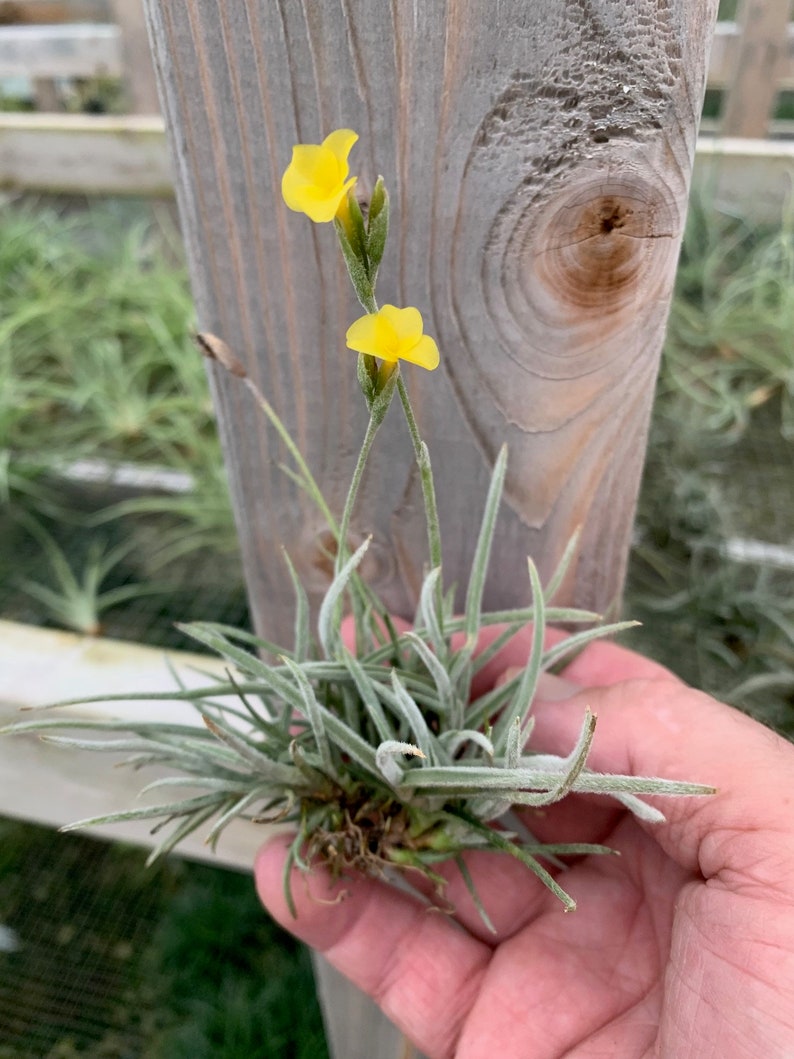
(663, 729)
(348, 629)
(418, 965)
(515, 653)
(603, 662)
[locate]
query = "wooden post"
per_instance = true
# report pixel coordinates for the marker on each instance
(538, 158)
(138, 72)
(761, 56)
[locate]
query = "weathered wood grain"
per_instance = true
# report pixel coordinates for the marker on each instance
(764, 51)
(137, 57)
(539, 160)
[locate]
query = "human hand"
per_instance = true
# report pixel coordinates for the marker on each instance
(681, 948)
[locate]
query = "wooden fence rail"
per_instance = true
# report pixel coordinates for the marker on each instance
(752, 58)
(126, 154)
(117, 47)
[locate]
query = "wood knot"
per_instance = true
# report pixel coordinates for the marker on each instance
(604, 246)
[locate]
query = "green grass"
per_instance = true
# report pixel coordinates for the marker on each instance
(718, 467)
(96, 362)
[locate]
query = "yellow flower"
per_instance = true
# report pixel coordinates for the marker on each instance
(393, 334)
(315, 182)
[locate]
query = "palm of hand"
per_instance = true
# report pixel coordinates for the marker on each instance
(682, 947)
(621, 977)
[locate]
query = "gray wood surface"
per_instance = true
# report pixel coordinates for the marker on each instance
(138, 73)
(764, 53)
(538, 157)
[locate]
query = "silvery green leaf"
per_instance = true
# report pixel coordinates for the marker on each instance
(641, 809)
(167, 809)
(349, 742)
(578, 640)
(481, 710)
(356, 269)
(328, 624)
(473, 779)
(482, 552)
(377, 227)
(264, 766)
(243, 660)
(313, 711)
(498, 841)
(452, 741)
(513, 744)
(210, 783)
(413, 717)
(464, 871)
(528, 684)
(230, 634)
(173, 838)
(385, 755)
(574, 763)
(235, 809)
(369, 696)
(302, 634)
(562, 566)
(446, 694)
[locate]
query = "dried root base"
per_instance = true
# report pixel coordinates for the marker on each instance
(363, 833)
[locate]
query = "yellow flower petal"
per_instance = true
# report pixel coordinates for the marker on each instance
(373, 334)
(424, 353)
(340, 143)
(406, 322)
(315, 182)
(393, 334)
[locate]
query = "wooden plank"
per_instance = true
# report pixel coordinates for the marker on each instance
(46, 95)
(539, 159)
(52, 11)
(78, 50)
(137, 57)
(120, 156)
(725, 57)
(129, 16)
(52, 786)
(747, 178)
(760, 59)
(89, 154)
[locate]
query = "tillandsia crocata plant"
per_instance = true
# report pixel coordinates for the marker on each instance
(381, 759)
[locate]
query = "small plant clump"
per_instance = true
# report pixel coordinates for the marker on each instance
(381, 757)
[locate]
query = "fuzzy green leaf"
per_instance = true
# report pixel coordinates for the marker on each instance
(313, 711)
(329, 619)
(357, 270)
(377, 228)
(529, 679)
